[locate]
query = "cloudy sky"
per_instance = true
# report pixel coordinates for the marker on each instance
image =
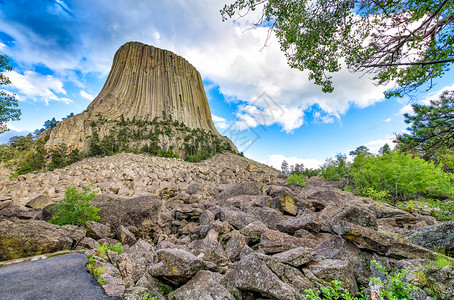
(62, 51)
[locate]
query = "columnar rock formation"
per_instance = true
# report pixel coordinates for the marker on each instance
(145, 82)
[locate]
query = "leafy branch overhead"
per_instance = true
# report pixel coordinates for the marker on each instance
(408, 43)
(8, 102)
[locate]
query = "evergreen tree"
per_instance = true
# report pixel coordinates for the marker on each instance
(432, 127)
(284, 166)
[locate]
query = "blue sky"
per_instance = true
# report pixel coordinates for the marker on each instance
(62, 51)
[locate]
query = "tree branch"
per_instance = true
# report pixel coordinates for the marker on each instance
(434, 62)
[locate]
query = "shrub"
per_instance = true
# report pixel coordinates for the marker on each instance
(75, 208)
(117, 248)
(335, 169)
(333, 293)
(298, 179)
(394, 285)
(400, 175)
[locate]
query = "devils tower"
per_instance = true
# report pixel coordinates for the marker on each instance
(145, 83)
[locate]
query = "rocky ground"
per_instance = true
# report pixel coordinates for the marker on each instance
(226, 228)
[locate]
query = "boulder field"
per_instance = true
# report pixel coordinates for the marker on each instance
(225, 228)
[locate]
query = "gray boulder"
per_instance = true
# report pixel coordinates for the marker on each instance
(97, 230)
(178, 265)
(22, 238)
(141, 212)
(436, 236)
(204, 285)
(253, 274)
(248, 188)
(307, 221)
(357, 215)
(273, 241)
(39, 202)
(380, 243)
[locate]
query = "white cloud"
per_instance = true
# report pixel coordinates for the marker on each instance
(374, 146)
(437, 94)
(407, 109)
(219, 122)
(387, 120)
(66, 100)
(253, 116)
(276, 161)
(37, 87)
(226, 53)
(86, 95)
(13, 128)
(426, 101)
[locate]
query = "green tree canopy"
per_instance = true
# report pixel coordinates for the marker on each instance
(432, 127)
(360, 150)
(402, 41)
(8, 102)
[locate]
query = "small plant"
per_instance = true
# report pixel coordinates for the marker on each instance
(75, 208)
(148, 297)
(334, 292)
(101, 250)
(117, 248)
(97, 272)
(441, 260)
(91, 262)
(395, 287)
(424, 281)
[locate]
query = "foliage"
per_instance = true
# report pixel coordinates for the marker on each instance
(116, 248)
(335, 169)
(409, 42)
(15, 147)
(91, 262)
(75, 208)
(370, 192)
(297, 178)
(360, 150)
(101, 250)
(284, 166)
(334, 292)
(97, 272)
(441, 260)
(145, 137)
(385, 149)
(445, 158)
(8, 101)
(441, 210)
(395, 287)
(49, 124)
(400, 175)
(33, 159)
(148, 297)
(432, 127)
